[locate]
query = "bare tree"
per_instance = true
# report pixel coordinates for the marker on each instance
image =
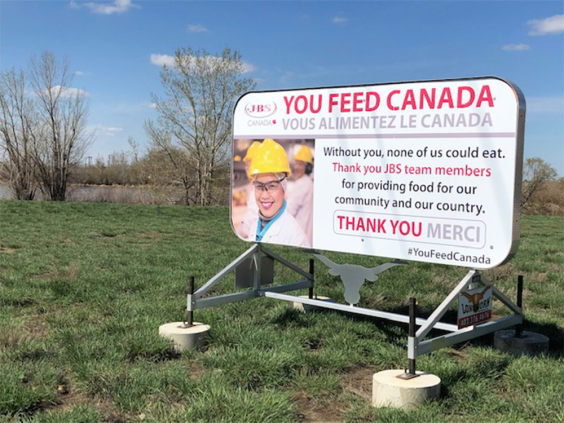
(536, 173)
(195, 116)
(182, 163)
(63, 138)
(18, 124)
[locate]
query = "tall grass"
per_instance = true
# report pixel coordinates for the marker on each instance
(84, 288)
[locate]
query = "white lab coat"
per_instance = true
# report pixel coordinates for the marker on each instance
(252, 211)
(300, 203)
(284, 231)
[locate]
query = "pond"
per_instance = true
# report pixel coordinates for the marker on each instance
(113, 194)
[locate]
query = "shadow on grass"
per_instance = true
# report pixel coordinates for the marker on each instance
(554, 333)
(396, 333)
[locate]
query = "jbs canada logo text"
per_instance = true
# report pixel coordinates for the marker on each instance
(260, 110)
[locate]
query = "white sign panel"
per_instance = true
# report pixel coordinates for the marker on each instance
(426, 171)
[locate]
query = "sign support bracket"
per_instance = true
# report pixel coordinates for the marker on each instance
(416, 346)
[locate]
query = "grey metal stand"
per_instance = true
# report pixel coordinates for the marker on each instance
(195, 301)
(417, 347)
(255, 263)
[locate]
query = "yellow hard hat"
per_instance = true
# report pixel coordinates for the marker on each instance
(251, 151)
(270, 157)
(236, 158)
(304, 154)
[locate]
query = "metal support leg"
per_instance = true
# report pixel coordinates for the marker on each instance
(519, 327)
(412, 316)
(312, 273)
(257, 260)
(190, 322)
(411, 371)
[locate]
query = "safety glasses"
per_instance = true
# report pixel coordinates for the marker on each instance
(269, 186)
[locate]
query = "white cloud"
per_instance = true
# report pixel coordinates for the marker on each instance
(545, 105)
(552, 25)
(116, 6)
(339, 20)
(197, 28)
(247, 67)
(162, 60)
(109, 131)
(165, 59)
(68, 91)
(516, 47)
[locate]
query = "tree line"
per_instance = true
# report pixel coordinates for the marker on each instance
(43, 127)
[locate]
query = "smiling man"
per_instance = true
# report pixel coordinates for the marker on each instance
(274, 224)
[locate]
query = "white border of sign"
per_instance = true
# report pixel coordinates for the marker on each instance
(494, 215)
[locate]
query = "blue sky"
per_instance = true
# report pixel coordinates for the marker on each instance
(116, 48)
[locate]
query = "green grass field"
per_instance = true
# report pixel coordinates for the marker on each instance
(84, 288)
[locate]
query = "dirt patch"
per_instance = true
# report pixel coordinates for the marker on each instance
(149, 235)
(72, 271)
(111, 413)
(38, 327)
(69, 399)
(535, 277)
(103, 234)
(12, 337)
(154, 357)
(195, 369)
(359, 382)
(310, 410)
(458, 355)
(46, 275)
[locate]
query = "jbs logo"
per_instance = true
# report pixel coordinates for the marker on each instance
(260, 110)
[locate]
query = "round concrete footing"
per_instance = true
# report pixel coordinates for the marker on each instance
(308, 307)
(191, 338)
(390, 391)
(530, 343)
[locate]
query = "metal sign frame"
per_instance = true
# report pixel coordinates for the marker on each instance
(417, 345)
(519, 131)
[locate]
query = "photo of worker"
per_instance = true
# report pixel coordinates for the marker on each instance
(262, 208)
(300, 189)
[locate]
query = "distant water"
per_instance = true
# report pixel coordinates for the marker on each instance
(112, 194)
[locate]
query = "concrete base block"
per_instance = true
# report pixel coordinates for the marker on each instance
(390, 391)
(191, 338)
(307, 307)
(530, 343)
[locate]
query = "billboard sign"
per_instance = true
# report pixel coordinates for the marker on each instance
(427, 171)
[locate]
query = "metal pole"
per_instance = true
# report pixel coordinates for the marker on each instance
(190, 322)
(257, 258)
(519, 327)
(410, 372)
(311, 272)
(412, 317)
